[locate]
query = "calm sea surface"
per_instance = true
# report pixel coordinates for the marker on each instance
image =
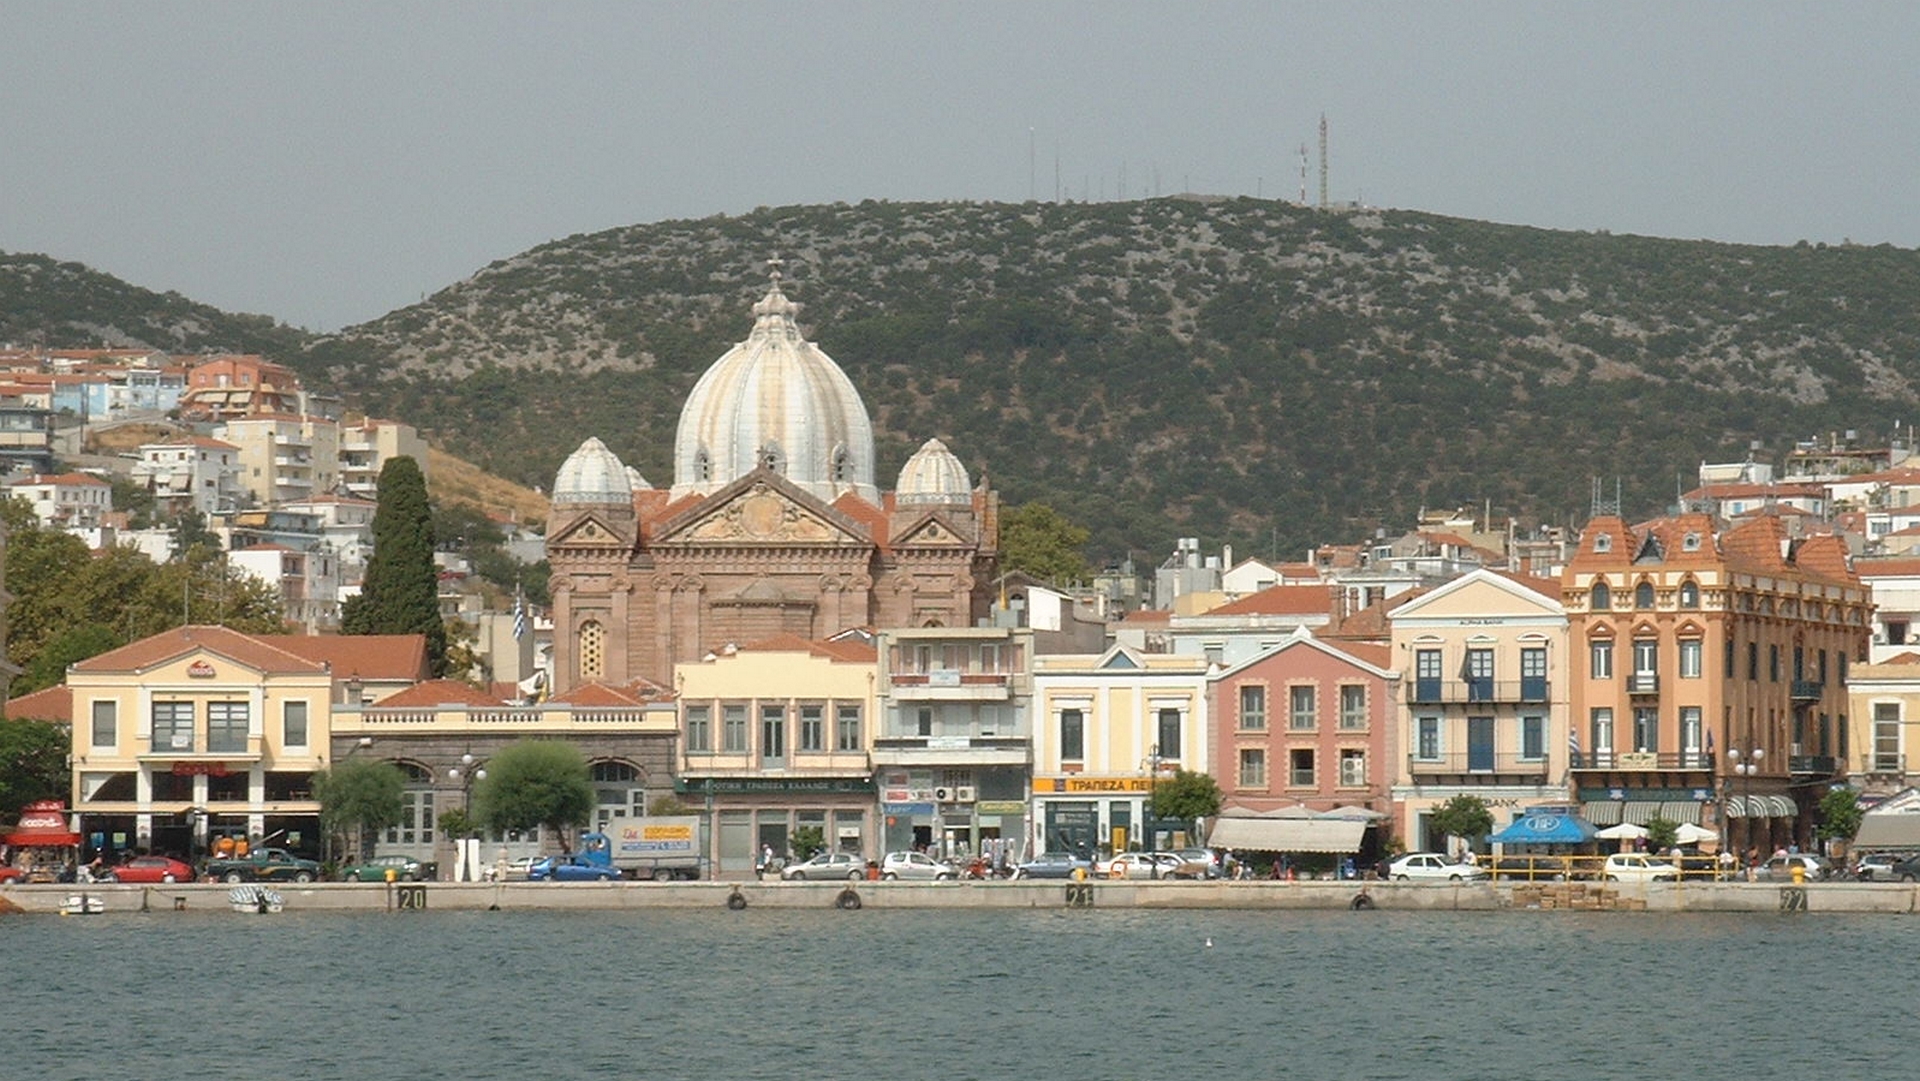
(957, 995)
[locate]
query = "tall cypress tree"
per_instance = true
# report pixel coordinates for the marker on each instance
(400, 594)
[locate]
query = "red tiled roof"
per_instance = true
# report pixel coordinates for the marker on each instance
(855, 652)
(368, 656)
(607, 696)
(1147, 615)
(440, 692)
(64, 478)
(1887, 568)
(1281, 601)
(47, 704)
(250, 650)
(1908, 657)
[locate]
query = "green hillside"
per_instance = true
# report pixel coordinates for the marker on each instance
(1240, 370)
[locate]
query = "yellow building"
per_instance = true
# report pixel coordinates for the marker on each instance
(1884, 711)
(775, 738)
(206, 731)
(1106, 728)
(1483, 664)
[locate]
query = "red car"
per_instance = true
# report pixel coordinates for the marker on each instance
(12, 874)
(150, 869)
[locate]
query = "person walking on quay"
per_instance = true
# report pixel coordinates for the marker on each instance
(764, 863)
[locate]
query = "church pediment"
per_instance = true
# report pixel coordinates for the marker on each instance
(930, 530)
(587, 531)
(761, 509)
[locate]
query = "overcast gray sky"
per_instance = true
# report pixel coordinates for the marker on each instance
(327, 163)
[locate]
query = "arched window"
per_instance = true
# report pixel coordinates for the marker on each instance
(842, 465)
(1602, 596)
(1689, 594)
(1643, 595)
(617, 792)
(592, 650)
(702, 465)
(413, 834)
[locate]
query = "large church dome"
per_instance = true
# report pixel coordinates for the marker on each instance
(775, 398)
(593, 474)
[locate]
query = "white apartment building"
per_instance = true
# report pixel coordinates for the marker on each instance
(74, 502)
(192, 473)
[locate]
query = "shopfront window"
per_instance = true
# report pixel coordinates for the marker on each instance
(173, 727)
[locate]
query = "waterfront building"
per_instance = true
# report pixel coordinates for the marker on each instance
(773, 523)
(442, 734)
(1883, 699)
(774, 738)
(952, 756)
(1710, 673)
(1307, 722)
(203, 731)
(1483, 665)
(1107, 728)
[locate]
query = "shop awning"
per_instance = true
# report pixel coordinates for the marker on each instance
(1761, 806)
(1545, 830)
(1896, 829)
(1286, 834)
(40, 839)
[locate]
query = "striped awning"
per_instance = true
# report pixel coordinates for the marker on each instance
(1761, 806)
(1601, 812)
(1639, 812)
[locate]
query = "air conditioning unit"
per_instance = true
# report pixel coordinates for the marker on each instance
(943, 795)
(966, 793)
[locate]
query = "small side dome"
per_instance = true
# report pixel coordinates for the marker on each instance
(933, 475)
(592, 474)
(635, 481)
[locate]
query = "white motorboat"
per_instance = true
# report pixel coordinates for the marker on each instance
(83, 904)
(254, 899)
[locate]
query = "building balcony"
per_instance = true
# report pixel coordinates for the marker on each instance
(1491, 763)
(1818, 765)
(196, 747)
(951, 685)
(1477, 691)
(1807, 690)
(1643, 683)
(1883, 765)
(1629, 761)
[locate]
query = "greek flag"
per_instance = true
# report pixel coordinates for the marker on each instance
(519, 617)
(1573, 744)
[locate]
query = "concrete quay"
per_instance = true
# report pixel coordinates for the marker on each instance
(1823, 897)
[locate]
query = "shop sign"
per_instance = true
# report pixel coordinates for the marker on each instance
(45, 814)
(1094, 784)
(908, 808)
(948, 743)
(200, 670)
(1638, 760)
(196, 769)
(734, 786)
(1001, 807)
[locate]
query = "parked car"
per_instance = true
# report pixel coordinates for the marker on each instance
(1877, 866)
(404, 868)
(826, 865)
(1138, 865)
(915, 865)
(1194, 863)
(1907, 870)
(11, 874)
(1638, 867)
(149, 869)
(1780, 868)
(1433, 867)
(520, 870)
(569, 869)
(1052, 865)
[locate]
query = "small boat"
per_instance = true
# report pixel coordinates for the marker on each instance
(83, 904)
(254, 899)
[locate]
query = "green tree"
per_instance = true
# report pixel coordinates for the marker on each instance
(200, 587)
(1186, 796)
(536, 783)
(134, 498)
(458, 823)
(49, 667)
(1465, 817)
(1038, 540)
(400, 594)
(190, 529)
(807, 840)
(33, 762)
(1662, 833)
(359, 796)
(1840, 814)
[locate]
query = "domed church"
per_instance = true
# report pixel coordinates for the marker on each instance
(773, 524)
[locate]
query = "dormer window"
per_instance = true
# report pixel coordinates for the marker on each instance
(1690, 542)
(1603, 543)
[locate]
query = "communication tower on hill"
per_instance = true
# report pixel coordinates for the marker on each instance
(1323, 161)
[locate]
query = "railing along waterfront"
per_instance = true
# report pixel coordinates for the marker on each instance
(1568, 868)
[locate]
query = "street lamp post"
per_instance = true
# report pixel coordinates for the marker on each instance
(1153, 789)
(467, 849)
(1745, 765)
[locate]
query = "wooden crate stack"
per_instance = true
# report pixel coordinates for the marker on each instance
(1574, 895)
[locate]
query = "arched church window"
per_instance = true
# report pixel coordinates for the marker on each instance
(702, 465)
(1643, 595)
(842, 465)
(1602, 597)
(592, 650)
(1689, 594)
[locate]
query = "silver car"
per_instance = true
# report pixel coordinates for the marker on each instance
(826, 865)
(915, 865)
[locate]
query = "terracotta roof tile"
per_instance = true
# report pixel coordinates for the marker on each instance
(606, 695)
(47, 704)
(440, 692)
(250, 650)
(1281, 601)
(369, 656)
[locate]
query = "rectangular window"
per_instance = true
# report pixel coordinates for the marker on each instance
(1729, 659)
(293, 724)
(813, 729)
(923, 721)
(1073, 735)
(1533, 674)
(1253, 767)
(700, 729)
(847, 719)
(1426, 746)
(173, 727)
(1253, 707)
(106, 724)
(1533, 738)
(1690, 658)
(733, 729)
(773, 732)
(1600, 660)
(1886, 738)
(1479, 675)
(1300, 767)
(1353, 705)
(1170, 734)
(1601, 725)
(1691, 733)
(1426, 675)
(416, 819)
(1353, 767)
(1646, 728)
(1753, 662)
(1301, 713)
(1773, 663)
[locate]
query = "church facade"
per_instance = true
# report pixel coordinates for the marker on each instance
(773, 524)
